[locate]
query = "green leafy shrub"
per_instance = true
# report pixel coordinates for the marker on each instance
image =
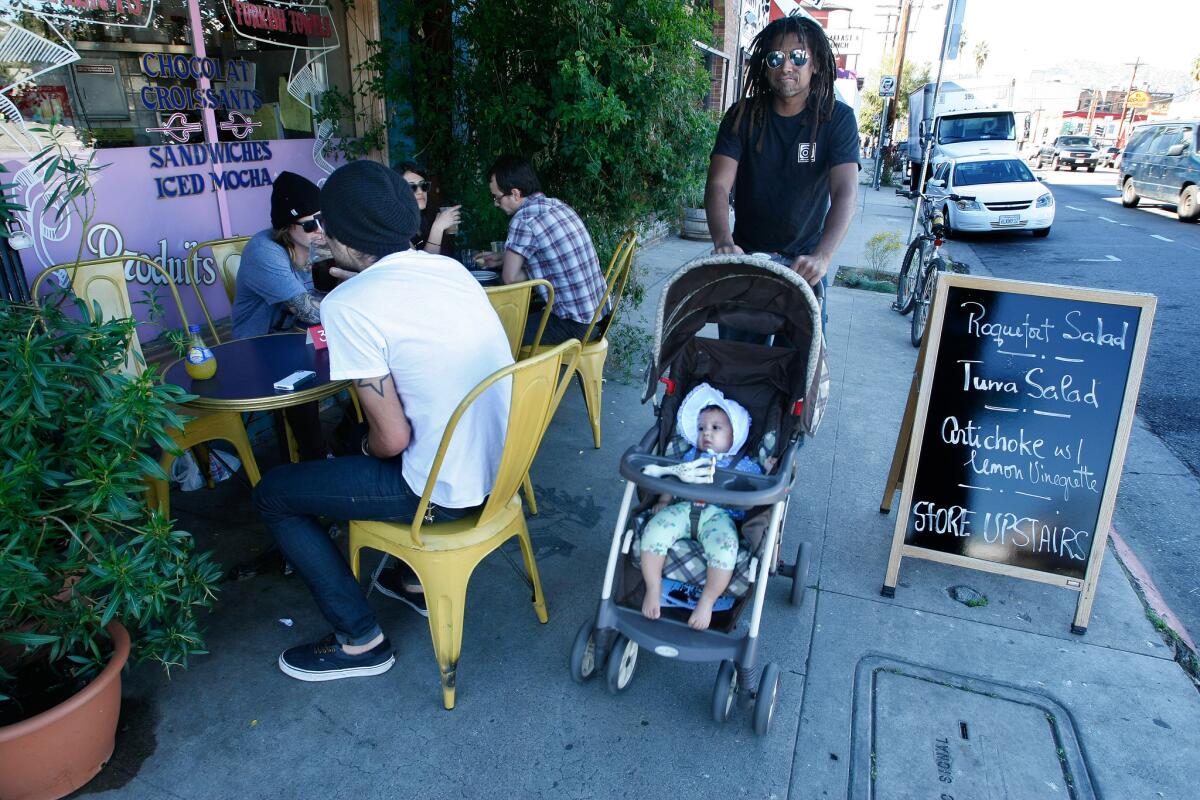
(881, 249)
(78, 547)
(603, 95)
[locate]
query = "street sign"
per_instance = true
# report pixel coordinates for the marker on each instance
(887, 86)
(1138, 99)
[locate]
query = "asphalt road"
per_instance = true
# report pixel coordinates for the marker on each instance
(1097, 242)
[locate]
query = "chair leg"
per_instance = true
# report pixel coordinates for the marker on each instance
(539, 599)
(236, 436)
(204, 462)
(446, 598)
(530, 500)
(591, 380)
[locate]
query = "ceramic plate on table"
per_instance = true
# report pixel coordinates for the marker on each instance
(485, 275)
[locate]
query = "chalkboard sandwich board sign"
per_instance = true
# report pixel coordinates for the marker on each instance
(1015, 434)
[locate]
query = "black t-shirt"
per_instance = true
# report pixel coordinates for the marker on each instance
(782, 193)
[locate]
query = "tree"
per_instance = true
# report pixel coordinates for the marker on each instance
(603, 95)
(1196, 69)
(981, 56)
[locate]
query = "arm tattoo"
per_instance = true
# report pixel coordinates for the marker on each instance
(374, 384)
(307, 308)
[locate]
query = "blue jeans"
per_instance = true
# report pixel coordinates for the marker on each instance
(291, 497)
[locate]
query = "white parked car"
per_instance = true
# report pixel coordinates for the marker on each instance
(1007, 195)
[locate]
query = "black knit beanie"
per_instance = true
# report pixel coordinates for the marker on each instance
(292, 197)
(369, 207)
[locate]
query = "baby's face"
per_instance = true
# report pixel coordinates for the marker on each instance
(714, 432)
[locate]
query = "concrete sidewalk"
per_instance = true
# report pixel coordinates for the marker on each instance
(920, 696)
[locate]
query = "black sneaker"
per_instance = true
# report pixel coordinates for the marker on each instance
(327, 661)
(390, 583)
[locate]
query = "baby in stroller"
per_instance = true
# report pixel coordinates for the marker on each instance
(718, 426)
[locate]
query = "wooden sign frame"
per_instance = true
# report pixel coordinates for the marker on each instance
(907, 455)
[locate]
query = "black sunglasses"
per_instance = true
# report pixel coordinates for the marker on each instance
(775, 58)
(311, 225)
(422, 185)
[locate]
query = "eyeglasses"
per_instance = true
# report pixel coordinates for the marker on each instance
(422, 185)
(312, 225)
(496, 198)
(775, 58)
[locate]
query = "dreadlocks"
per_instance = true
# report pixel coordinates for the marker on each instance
(756, 99)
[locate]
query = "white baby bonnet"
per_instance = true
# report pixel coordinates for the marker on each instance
(700, 398)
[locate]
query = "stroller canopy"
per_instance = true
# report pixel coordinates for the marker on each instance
(752, 294)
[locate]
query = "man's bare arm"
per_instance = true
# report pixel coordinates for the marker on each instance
(843, 191)
(513, 268)
(390, 432)
(306, 307)
(722, 171)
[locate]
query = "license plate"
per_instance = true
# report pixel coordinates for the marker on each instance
(1010, 219)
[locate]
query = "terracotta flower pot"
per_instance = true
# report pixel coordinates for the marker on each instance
(53, 754)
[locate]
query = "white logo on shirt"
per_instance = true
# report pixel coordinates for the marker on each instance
(806, 153)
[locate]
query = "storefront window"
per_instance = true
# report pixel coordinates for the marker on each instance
(127, 73)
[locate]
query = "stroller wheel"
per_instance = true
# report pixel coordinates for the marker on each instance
(622, 660)
(583, 653)
(768, 697)
(800, 575)
(725, 691)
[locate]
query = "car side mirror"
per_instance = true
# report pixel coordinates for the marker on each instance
(1177, 149)
(938, 182)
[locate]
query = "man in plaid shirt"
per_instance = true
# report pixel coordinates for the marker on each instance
(546, 239)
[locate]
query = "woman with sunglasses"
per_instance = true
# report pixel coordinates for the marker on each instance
(275, 286)
(433, 236)
(274, 283)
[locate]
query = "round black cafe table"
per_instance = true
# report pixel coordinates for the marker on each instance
(247, 370)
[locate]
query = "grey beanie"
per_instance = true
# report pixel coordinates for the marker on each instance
(366, 206)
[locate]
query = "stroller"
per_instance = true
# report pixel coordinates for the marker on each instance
(785, 389)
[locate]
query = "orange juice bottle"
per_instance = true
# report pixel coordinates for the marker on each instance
(200, 362)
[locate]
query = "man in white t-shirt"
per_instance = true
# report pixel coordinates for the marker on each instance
(416, 333)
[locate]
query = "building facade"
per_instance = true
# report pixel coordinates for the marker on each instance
(191, 107)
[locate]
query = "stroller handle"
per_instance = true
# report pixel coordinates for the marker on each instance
(729, 487)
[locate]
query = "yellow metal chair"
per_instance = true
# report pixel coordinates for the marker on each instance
(595, 339)
(227, 257)
(512, 302)
(444, 554)
(103, 281)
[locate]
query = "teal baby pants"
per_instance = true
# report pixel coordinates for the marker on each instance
(716, 533)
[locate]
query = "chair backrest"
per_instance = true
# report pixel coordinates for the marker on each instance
(616, 277)
(512, 301)
(538, 384)
(227, 257)
(102, 281)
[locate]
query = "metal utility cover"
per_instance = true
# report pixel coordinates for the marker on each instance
(920, 732)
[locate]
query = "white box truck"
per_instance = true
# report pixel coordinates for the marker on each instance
(970, 119)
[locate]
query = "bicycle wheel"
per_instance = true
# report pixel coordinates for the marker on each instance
(911, 269)
(921, 304)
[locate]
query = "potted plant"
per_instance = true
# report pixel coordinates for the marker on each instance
(88, 575)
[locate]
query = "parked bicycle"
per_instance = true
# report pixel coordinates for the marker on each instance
(922, 262)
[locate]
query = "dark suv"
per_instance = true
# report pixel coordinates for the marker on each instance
(1069, 151)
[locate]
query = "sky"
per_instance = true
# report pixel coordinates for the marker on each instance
(1028, 35)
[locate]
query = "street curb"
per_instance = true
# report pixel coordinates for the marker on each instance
(1145, 585)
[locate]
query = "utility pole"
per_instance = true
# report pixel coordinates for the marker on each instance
(902, 40)
(1125, 103)
(1091, 112)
